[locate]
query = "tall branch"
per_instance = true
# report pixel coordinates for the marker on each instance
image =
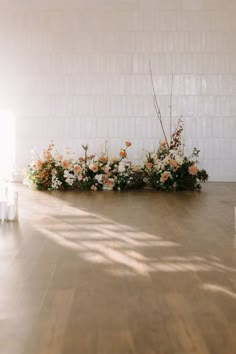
(156, 106)
(171, 96)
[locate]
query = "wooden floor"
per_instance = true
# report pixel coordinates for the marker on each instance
(120, 273)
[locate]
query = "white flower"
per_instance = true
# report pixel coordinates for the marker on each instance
(166, 160)
(56, 183)
(99, 178)
(121, 167)
(69, 181)
(69, 177)
(154, 156)
(179, 159)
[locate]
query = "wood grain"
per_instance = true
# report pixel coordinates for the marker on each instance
(120, 273)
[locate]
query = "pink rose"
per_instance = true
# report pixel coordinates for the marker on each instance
(149, 165)
(128, 143)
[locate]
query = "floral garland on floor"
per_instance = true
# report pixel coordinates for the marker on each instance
(167, 169)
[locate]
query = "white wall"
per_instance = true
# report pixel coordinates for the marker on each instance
(76, 71)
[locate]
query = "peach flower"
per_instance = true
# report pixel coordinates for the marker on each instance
(105, 169)
(128, 143)
(135, 168)
(174, 164)
(123, 153)
(165, 176)
(102, 159)
(149, 165)
(163, 143)
(47, 155)
(93, 167)
(109, 183)
(59, 157)
(113, 159)
(38, 164)
(65, 164)
(77, 169)
(193, 170)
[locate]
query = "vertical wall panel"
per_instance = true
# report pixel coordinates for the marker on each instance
(77, 71)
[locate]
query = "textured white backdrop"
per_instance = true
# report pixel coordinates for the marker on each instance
(76, 71)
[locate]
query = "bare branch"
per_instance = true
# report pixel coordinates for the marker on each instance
(156, 106)
(171, 97)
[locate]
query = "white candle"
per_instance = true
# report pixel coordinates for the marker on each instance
(3, 206)
(12, 205)
(11, 212)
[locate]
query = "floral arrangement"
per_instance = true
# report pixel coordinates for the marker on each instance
(166, 169)
(53, 171)
(169, 169)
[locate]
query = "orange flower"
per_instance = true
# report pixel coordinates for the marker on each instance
(65, 164)
(123, 153)
(149, 165)
(128, 143)
(193, 170)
